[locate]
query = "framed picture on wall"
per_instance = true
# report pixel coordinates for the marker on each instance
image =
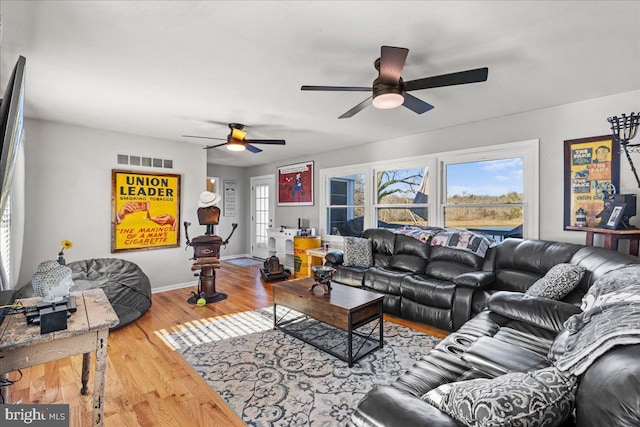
(145, 210)
(295, 184)
(591, 173)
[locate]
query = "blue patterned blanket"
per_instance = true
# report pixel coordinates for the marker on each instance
(455, 238)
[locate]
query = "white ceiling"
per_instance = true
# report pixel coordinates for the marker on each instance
(164, 69)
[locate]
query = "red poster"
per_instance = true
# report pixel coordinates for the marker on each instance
(295, 185)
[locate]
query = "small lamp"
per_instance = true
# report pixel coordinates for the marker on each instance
(625, 129)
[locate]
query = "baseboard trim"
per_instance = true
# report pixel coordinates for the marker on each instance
(195, 282)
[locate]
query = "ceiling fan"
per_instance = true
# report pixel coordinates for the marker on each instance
(390, 91)
(236, 140)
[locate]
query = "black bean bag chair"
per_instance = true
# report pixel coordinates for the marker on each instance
(125, 284)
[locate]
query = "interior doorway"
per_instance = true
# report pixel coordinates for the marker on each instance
(262, 211)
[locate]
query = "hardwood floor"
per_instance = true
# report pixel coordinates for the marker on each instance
(148, 383)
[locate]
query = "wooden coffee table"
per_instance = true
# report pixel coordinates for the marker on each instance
(346, 308)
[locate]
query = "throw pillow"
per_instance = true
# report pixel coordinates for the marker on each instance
(357, 252)
(539, 398)
(558, 282)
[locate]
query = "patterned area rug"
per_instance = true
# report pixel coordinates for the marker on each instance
(271, 379)
(245, 262)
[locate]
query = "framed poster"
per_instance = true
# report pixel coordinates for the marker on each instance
(295, 185)
(145, 210)
(230, 195)
(591, 173)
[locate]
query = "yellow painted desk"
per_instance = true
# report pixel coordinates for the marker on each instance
(22, 346)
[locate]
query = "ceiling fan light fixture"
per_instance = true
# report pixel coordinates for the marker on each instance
(386, 101)
(235, 145)
(238, 134)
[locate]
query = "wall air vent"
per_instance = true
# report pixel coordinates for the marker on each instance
(151, 162)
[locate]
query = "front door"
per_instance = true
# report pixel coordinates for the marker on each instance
(262, 207)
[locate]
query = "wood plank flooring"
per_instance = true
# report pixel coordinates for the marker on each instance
(148, 383)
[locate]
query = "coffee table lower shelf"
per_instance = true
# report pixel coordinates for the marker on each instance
(365, 342)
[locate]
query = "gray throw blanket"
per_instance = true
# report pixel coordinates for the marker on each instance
(611, 317)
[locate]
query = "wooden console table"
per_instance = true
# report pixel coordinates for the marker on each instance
(611, 237)
(22, 346)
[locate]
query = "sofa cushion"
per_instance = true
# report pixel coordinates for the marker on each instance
(383, 242)
(558, 282)
(538, 311)
(520, 263)
(540, 398)
(428, 291)
(351, 276)
(358, 252)
(409, 255)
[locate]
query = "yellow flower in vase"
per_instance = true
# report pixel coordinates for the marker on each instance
(66, 244)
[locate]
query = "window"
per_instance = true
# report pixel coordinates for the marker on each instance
(493, 187)
(345, 210)
(402, 197)
(485, 196)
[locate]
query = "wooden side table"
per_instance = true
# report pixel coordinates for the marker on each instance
(315, 253)
(611, 237)
(22, 345)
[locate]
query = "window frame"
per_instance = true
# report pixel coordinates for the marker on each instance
(528, 150)
(336, 173)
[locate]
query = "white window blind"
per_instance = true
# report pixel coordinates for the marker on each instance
(5, 239)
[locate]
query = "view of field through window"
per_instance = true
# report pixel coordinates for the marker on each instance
(486, 194)
(483, 195)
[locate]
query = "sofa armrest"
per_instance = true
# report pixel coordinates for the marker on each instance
(334, 257)
(385, 405)
(537, 311)
(475, 279)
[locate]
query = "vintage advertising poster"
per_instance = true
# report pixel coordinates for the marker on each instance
(592, 168)
(295, 185)
(145, 210)
(229, 197)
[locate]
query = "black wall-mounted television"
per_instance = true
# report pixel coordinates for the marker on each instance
(11, 122)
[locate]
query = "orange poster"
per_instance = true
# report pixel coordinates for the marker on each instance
(145, 210)
(591, 175)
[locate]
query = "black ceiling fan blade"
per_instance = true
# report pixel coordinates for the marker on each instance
(338, 88)
(459, 78)
(214, 146)
(352, 112)
(204, 137)
(266, 141)
(415, 104)
(392, 61)
(251, 148)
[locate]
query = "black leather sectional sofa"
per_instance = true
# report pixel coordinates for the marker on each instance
(507, 331)
(434, 285)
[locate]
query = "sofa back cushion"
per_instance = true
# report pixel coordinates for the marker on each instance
(409, 254)
(447, 263)
(596, 261)
(383, 244)
(519, 263)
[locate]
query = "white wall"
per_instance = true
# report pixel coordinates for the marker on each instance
(552, 126)
(238, 244)
(68, 196)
